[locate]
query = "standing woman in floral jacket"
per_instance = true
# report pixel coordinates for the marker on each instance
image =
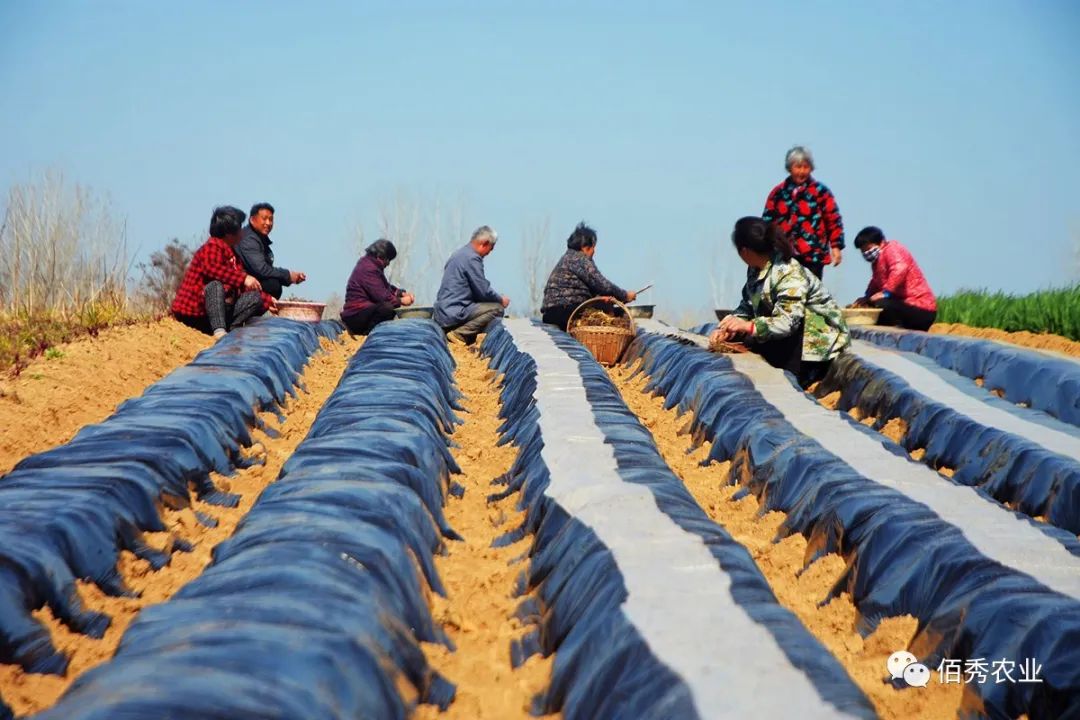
(786, 314)
(806, 210)
(575, 279)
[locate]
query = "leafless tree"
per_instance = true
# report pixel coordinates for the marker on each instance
(537, 258)
(424, 229)
(400, 222)
(162, 275)
(446, 230)
(725, 281)
(61, 249)
(334, 304)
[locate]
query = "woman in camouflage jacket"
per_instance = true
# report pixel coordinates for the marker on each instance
(786, 314)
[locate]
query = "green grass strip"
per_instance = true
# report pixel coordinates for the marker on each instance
(1054, 311)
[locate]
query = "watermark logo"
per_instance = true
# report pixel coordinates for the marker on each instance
(917, 675)
(980, 670)
(904, 666)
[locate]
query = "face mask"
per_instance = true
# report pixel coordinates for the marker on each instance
(870, 254)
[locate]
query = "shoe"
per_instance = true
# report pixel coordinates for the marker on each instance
(454, 339)
(220, 333)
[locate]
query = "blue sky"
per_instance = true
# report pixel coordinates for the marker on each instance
(954, 126)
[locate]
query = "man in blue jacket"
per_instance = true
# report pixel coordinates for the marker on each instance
(257, 257)
(466, 303)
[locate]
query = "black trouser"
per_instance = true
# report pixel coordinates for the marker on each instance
(221, 315)
(364, 321)
(786, 354)
(816, 268)
(271, 286)
(558, 316)
(897, 312)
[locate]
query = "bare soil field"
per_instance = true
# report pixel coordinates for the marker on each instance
(58, 396)
(1038, 341)
(27, 693)
(82, 383)
(477, 612)
(802, 591)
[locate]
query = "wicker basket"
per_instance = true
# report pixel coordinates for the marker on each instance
(861, 316)
(607, 344)
(305, 311)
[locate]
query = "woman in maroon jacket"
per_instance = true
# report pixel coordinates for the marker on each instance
(369, 297)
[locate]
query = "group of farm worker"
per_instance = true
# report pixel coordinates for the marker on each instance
(786, 313)
(466, 304)
(231, 278)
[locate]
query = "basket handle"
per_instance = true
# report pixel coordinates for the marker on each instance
(570, 321)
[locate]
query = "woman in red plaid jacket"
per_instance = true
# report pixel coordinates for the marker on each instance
(806, 210)
(216, 294)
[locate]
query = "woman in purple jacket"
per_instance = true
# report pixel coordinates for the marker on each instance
(369, 297)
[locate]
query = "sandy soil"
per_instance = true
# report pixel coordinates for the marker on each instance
(1039, 341)
(479, 578)
(782, 564)
(894, 429)
(51, 399)
(27, 693)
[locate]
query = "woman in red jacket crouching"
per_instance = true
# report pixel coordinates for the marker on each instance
(897, 284)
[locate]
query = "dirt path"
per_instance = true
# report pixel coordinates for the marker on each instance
(27, 693)
(1039, 341)
(83, 382)
(479, 578)
(781, 563)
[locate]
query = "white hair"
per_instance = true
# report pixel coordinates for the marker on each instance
(798, 154)
(484, 234)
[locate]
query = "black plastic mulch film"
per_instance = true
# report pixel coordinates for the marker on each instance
(902, 558)
(315, 607)
(1039, 380)
(1009, 468)
(68, 512)
(603, 668)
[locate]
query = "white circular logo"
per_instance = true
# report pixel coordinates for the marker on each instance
(917, 675)
(898, 661)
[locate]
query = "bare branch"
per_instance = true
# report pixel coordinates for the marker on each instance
(61, 249)
(537, 260)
